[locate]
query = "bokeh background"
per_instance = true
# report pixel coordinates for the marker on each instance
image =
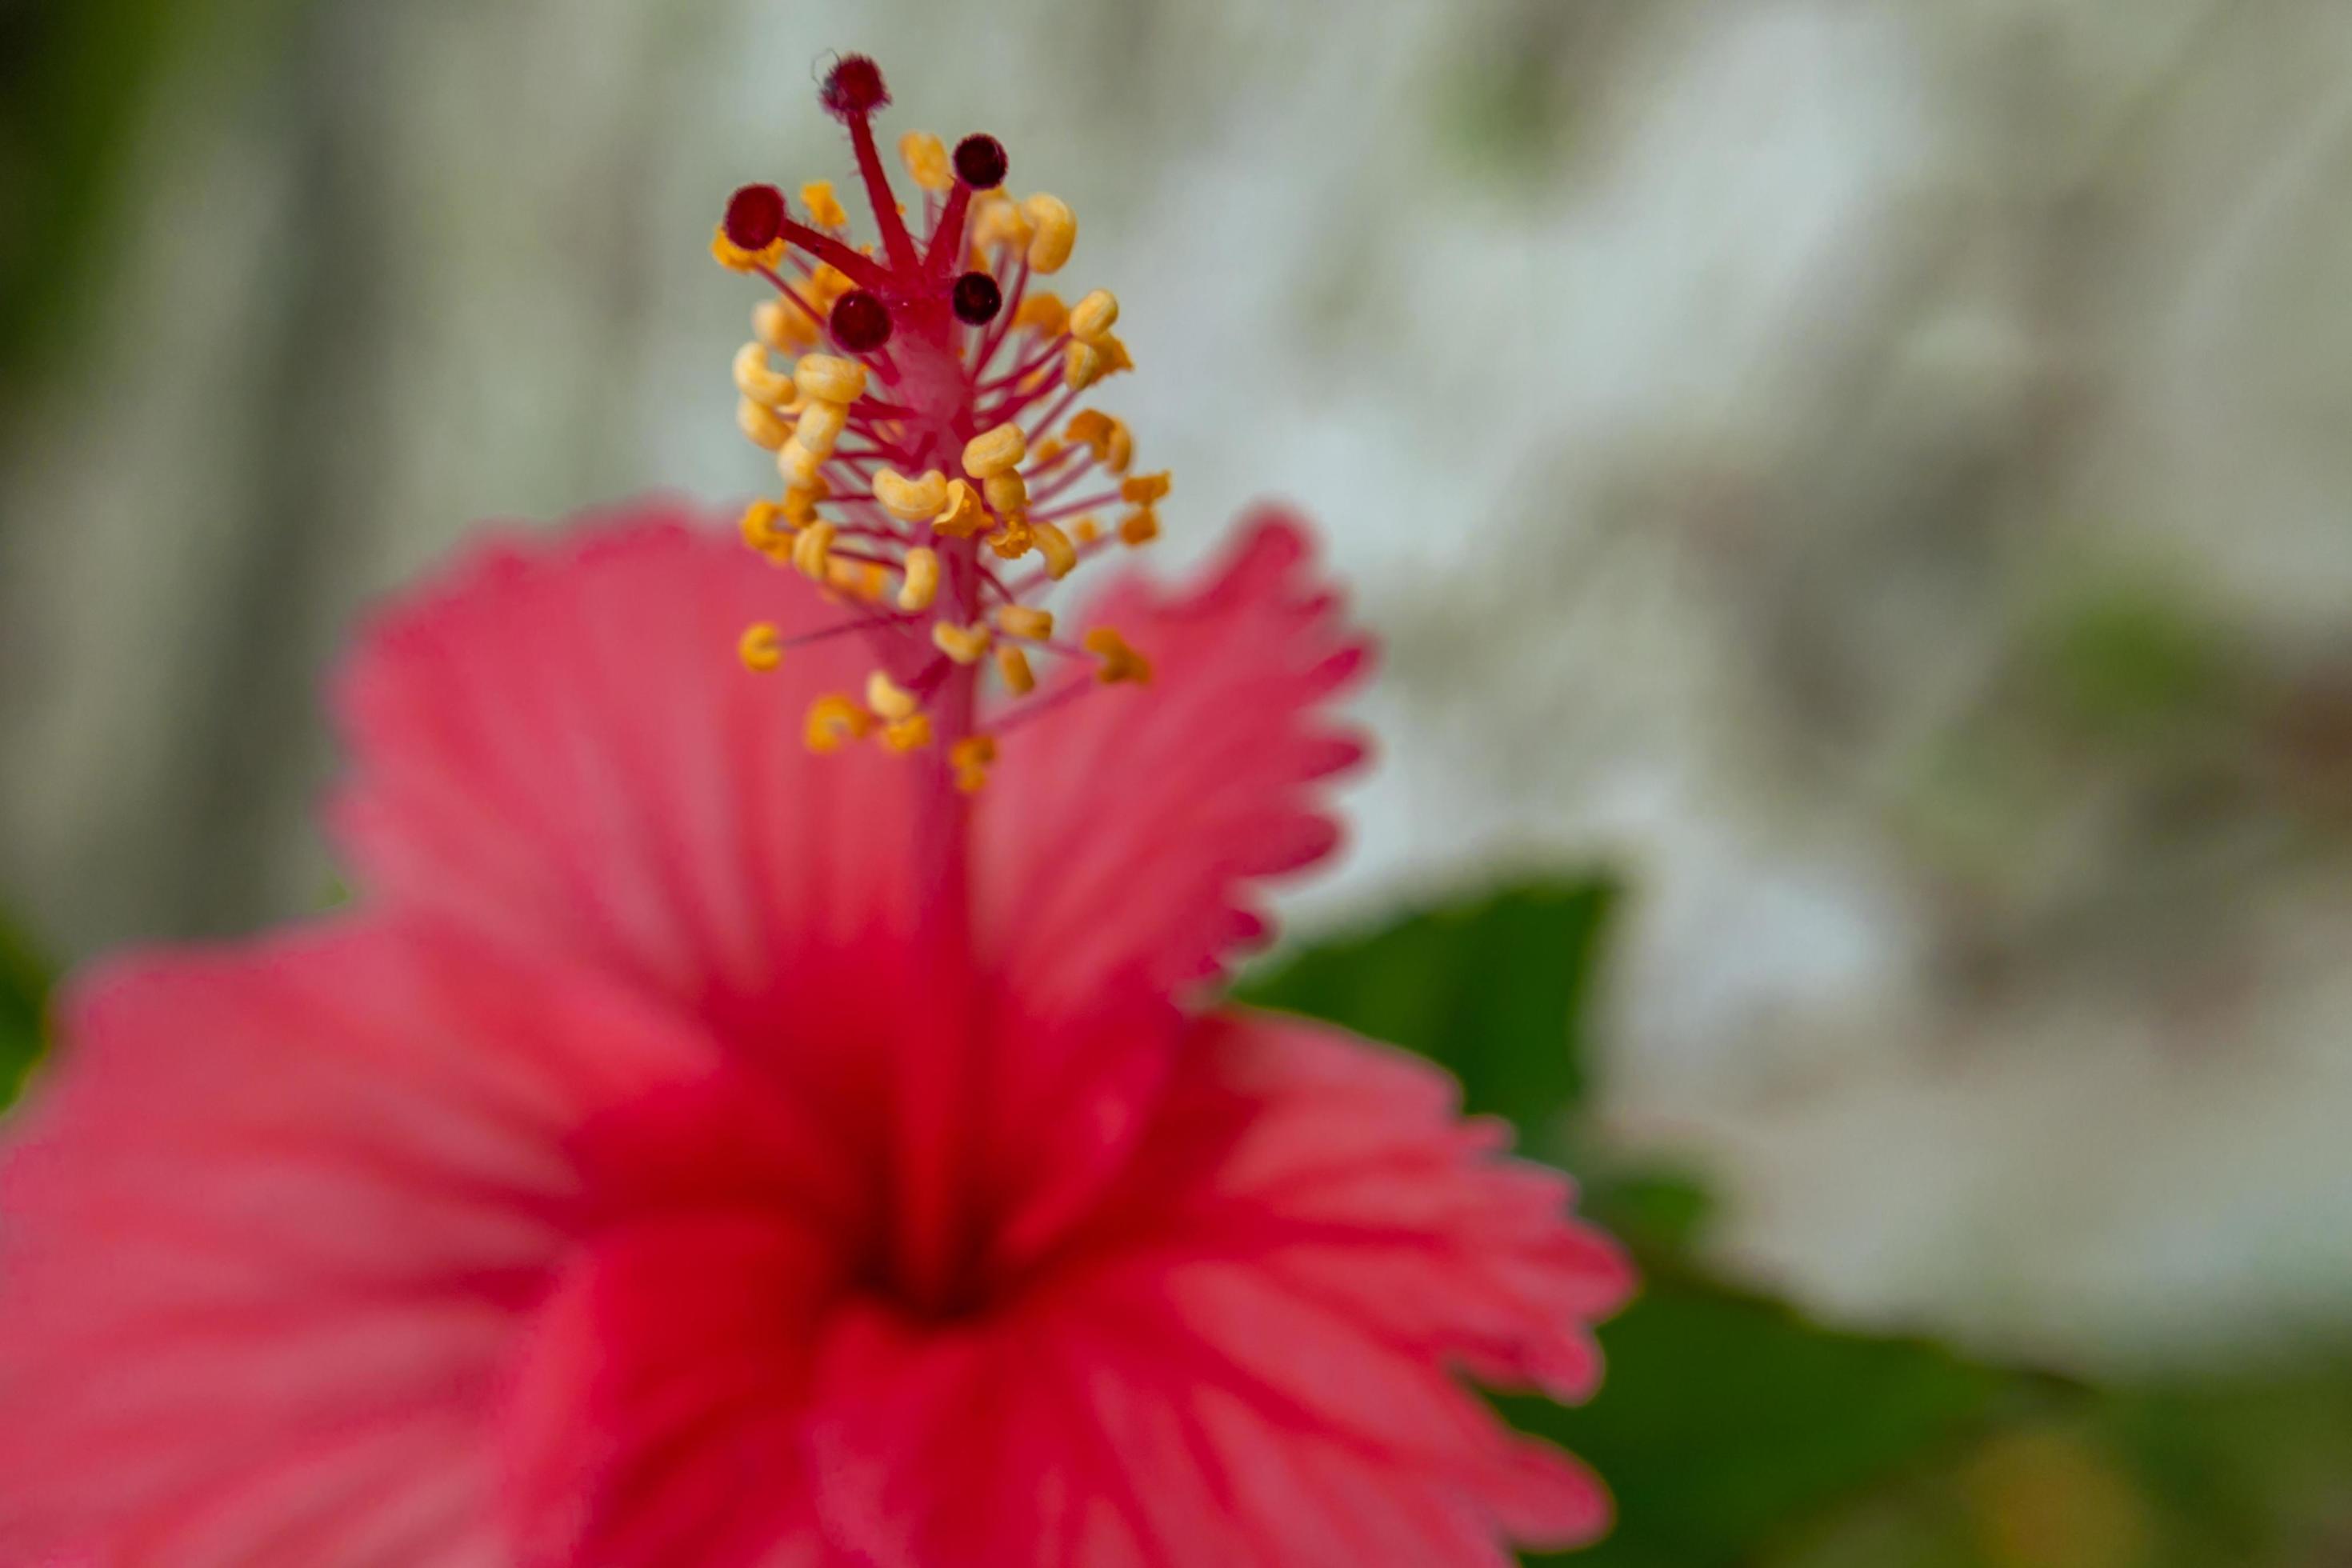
(1855, 496)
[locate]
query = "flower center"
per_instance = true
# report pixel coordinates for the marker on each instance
(940, 475)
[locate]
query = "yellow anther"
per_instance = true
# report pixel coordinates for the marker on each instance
(762, 424)
(861, 580)
(825, 285)
(767, 323)
(1106, 437)
(1041, 310)
(927, 160)
(1015, 539)
(970, 757)
(1046, 449)
(1007, 492)
(1119, 662)
(910, 501)
(756, 380)
(813, 552)
(922, 583)
(1025, 621)
(799, 466)
(887, 698)
(1086, 529)
(825, 208)
(961, 516)
(1061, 555)
(1114, 353)
(965, 644)
(996, 221)
(820, 427)
(911, 733)
(1014, 665)
(762, 646)
(1143, 489)
(830, 378)
(994, 452)
(1055, 230)
(801, 501)
(781, 327)
(834, 721)
(1092, 316)
(1140, 526)
(763, 527)
(734, 257)
(1082, 366)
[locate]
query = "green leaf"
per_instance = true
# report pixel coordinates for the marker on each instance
(1493, 988)
(1729, 1420)
(1654, 1209)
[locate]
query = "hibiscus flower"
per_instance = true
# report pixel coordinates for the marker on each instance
(724, 1135)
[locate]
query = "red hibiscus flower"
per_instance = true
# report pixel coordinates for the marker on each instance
(713, 1140)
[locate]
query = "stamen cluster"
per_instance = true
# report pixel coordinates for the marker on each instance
(928, 437)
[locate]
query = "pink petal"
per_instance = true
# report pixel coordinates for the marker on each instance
(1078, 1434)
(555, 745)
(1123, 834)
(1353, 1182)
(272, 1224)
(656, 1416)
(1251, 1351)
(957, 1444)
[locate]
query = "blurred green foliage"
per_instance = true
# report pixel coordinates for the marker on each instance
(1735, 1431)
(2246, 1471)
(77, 78)
(24, 997)
(2252, 1469)
(2133, 659)
(1729, 1420)
(1514, 88)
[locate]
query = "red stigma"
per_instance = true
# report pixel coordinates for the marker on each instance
(755, 215)
(980, 161)
(853, 88)
(977, 299)
(861, 321)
